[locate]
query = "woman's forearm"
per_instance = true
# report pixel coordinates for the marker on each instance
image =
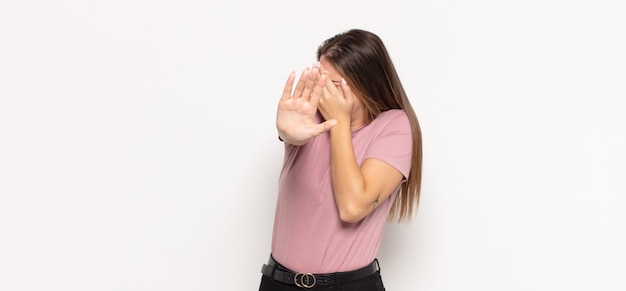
(347, 180)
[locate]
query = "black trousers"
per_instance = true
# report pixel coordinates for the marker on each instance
(373, 282)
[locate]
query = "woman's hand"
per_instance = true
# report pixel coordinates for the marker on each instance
(295, 119)
(337, 102)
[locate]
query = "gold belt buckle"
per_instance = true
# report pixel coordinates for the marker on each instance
(304, 280)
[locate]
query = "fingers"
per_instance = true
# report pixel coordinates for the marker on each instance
(347, 91)
(318, 90)
(336, 102)
(328, 90)
(301, 83)
(314, 74)
(331, 88)
(310, 83)
(288, 86)
(307, 84)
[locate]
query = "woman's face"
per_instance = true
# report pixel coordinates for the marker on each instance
(336, 77)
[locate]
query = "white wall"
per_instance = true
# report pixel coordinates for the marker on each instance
(138, 148)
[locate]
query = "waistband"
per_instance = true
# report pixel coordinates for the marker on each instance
(282, 274)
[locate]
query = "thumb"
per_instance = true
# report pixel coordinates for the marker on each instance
(325, 126)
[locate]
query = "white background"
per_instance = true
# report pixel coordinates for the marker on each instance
(138, 149)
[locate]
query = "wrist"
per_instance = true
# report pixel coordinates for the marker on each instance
(282, 136)
(341, 127)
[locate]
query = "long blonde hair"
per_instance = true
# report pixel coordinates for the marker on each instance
(361, 57)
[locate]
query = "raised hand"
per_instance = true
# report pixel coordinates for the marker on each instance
(337, 102)
(295, 117)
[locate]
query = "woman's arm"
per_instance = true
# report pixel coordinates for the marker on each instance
(357, 190)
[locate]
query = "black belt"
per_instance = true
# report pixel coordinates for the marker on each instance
(279, 273)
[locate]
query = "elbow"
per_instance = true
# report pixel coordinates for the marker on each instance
(351, 214)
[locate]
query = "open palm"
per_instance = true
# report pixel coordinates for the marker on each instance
(295, 119)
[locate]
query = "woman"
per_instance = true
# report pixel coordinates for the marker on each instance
(352, 161)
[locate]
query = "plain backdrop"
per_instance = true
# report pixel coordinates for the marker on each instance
(138, 149)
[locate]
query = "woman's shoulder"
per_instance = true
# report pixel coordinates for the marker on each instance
(392, 116)
(393, 120)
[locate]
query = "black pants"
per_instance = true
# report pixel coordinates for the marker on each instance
(373, 282)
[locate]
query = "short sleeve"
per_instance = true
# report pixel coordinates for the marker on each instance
(394, 143)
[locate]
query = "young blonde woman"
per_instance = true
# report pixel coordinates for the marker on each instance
(352, 162)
